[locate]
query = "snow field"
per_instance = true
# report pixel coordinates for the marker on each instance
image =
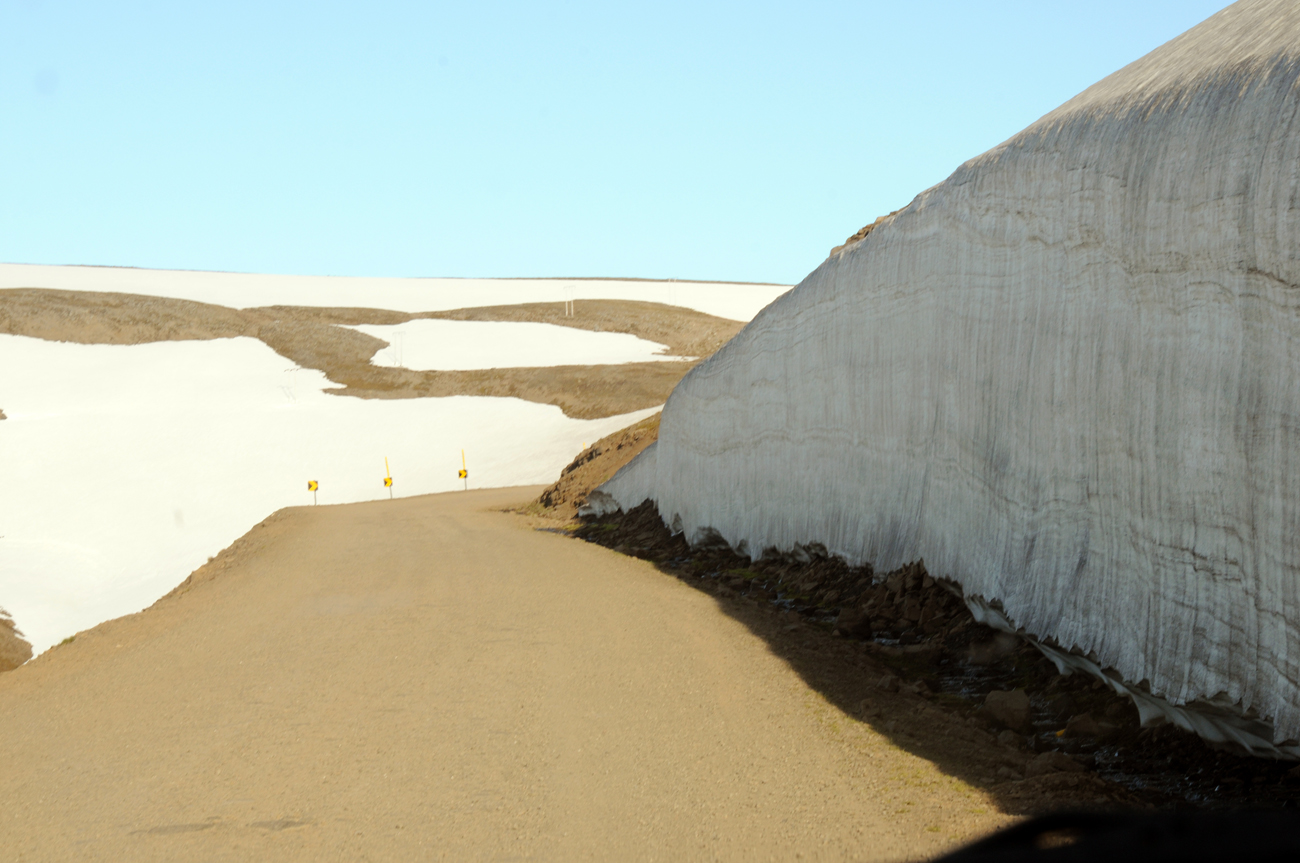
(426, 345)
(123, 468)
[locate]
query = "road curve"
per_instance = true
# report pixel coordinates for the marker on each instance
(431, 678)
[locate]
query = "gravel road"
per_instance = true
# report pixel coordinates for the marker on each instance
(432, 678)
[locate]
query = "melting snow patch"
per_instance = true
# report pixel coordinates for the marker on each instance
(461, 345)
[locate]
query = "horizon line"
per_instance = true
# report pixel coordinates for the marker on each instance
(484, 278)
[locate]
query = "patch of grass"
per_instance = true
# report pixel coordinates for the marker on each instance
(68, 640)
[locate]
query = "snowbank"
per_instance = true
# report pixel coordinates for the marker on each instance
(1068, 377)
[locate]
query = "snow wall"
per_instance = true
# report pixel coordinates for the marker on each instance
(1068, 377)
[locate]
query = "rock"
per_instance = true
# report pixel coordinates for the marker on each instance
(1119, 710)
(1052, 762)
(889, 683)
(991, 650)
(1007, 708)
(1062, 706)
(1083, 725)
(912, 609)
(1015, 758)
(916, 687)
(1010, 738)
(853, 622)
(1009, 774)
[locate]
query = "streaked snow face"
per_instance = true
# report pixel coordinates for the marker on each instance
(426, 345)
(122, 468)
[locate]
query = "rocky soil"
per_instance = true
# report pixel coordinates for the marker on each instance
(902, 647)
(901, 651)
(860, 234)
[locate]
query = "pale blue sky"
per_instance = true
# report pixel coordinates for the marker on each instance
(733, 141)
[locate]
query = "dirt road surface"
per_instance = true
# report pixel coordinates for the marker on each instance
(431, 678)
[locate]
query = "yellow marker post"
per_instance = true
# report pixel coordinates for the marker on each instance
(463, 473)
(312, 485)
(388, 478)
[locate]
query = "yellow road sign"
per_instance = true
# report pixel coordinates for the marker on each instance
(463, 474)
(312, 485)
(388, 482)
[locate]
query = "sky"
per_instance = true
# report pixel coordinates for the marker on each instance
(714, 141)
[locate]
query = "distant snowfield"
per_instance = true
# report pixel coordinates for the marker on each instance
(427, 345)
(739, 302)
(124, 467)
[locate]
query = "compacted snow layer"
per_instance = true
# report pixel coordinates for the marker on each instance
(739, 302)
(1068, 377)
(425, 345)
(124, 467)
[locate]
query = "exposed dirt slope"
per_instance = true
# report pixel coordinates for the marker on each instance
(593, 466)
(429, 678)
(319, 339)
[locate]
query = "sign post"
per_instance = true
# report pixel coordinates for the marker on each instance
(463, 473)
(388, 478)
(312, 485)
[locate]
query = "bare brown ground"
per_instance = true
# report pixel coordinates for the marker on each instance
(593, 466)
(318, 338)
(430, 678)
